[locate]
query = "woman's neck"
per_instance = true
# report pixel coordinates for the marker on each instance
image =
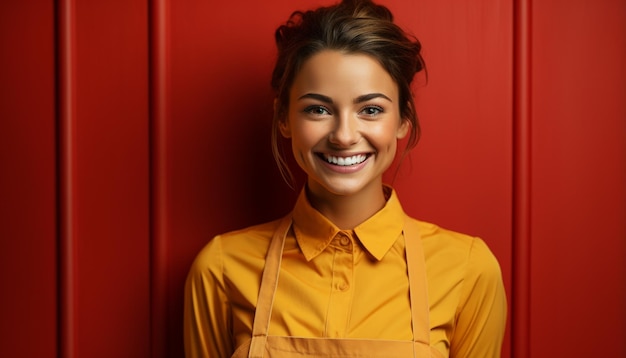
(348, 211)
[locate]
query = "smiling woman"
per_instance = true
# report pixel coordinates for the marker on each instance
(344, 123)
(347, 273)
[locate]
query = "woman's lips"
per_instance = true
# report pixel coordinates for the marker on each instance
(345, 160)
(344, 163)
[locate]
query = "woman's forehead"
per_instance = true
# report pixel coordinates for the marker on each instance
(339, 74)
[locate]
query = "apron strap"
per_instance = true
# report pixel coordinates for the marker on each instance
(269, 282)
(418, 284)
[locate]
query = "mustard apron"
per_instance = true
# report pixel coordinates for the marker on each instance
(264, 345)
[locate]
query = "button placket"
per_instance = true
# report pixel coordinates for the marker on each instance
(341, 292)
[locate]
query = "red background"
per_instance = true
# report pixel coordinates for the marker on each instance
(131, 132)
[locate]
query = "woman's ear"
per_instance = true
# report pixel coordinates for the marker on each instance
(406, 124)
(403, 129)
(283, 123)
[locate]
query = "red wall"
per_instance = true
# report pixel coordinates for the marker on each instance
(131, 132)
(28, 199)
(103, 172)
(578, 179)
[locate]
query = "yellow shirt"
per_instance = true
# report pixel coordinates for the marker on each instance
(345, 284)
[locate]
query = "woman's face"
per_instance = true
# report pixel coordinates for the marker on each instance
(344, 122)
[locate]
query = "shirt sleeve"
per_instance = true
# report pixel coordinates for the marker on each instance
(206, 309)
(481, 315)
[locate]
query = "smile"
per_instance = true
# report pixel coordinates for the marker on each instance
(344, 161)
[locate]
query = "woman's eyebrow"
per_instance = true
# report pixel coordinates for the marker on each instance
(369, 96)
(359, 99)
(317, 96)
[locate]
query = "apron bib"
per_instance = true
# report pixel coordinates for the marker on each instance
(263, 345)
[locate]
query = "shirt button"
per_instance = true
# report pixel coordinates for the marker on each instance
(343, 286)
(344, 241)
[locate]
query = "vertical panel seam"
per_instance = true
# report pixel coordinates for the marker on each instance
(521, 178)
(67, 306)
(157, 117)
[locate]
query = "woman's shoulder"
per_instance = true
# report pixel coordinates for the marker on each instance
(435, 234)
(455, 248)
(262, 231)
(251, 242)
(459, 266)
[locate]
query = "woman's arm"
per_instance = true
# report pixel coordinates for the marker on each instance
(481, 314)
(206, 312)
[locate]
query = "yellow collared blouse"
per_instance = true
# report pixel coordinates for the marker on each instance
(345, 284)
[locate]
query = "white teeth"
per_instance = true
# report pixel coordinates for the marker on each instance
(346, 161)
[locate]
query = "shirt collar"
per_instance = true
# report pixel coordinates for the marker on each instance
(314, 232)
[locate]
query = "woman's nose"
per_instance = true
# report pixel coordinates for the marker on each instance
(345, 132)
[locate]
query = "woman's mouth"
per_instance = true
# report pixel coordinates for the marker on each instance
(344, 161)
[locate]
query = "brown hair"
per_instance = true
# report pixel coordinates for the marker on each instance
(351, 26)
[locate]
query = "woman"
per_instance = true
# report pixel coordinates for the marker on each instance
(347, 273)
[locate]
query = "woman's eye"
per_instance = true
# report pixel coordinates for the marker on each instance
(317, 110)
(371, 111)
